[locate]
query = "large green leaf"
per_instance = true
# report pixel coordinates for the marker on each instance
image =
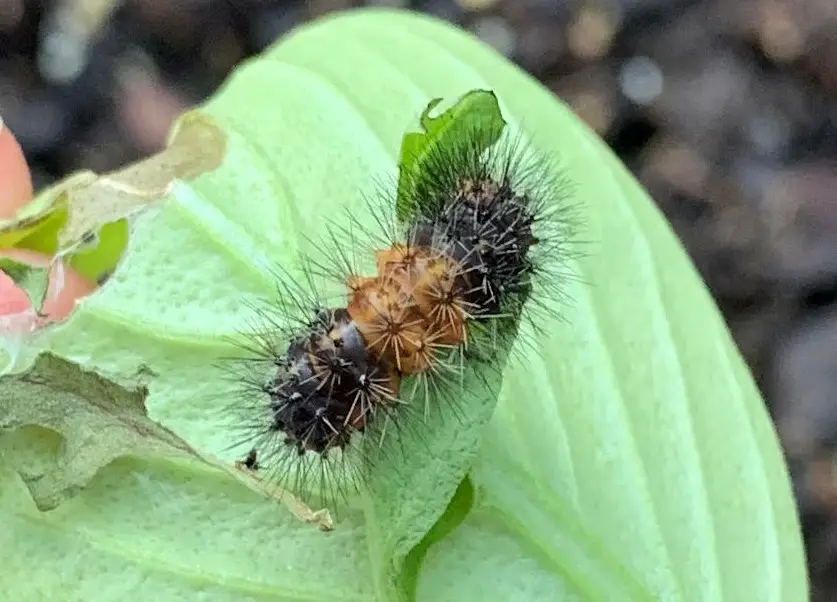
(632, 459)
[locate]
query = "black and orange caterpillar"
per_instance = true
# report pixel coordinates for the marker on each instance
(483, 225)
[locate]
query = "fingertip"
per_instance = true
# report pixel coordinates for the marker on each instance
(15, 192)
(15, 179)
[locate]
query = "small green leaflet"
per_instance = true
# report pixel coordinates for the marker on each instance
(476, 113)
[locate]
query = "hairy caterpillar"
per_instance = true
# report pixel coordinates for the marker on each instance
(438, 287)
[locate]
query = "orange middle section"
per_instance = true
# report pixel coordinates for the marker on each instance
(411, 310)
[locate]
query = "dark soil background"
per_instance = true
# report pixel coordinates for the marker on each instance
(726, 110)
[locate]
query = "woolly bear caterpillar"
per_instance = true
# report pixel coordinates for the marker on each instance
(477, 238)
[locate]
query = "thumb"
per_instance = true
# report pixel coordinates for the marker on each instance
(15, 180)
(16, 191)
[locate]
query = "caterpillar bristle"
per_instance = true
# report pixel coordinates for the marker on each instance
(332, 383)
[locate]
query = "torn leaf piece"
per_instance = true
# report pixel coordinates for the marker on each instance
(83, 216)
(47, 211)
(99, 262)
(250, 478)
(476, 113)
(91, 264)
(44, 301)
(197, 146)
(98, 420)
(33, 280)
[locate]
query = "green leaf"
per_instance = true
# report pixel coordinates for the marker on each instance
(92, 263)
(31, 279)
(83, 217)
(98, 421)
(475, 114)
(632, 459)
(98, 263)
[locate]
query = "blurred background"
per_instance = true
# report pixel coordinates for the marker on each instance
(726, 110)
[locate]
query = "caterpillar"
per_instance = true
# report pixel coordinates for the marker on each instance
(450, 270)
